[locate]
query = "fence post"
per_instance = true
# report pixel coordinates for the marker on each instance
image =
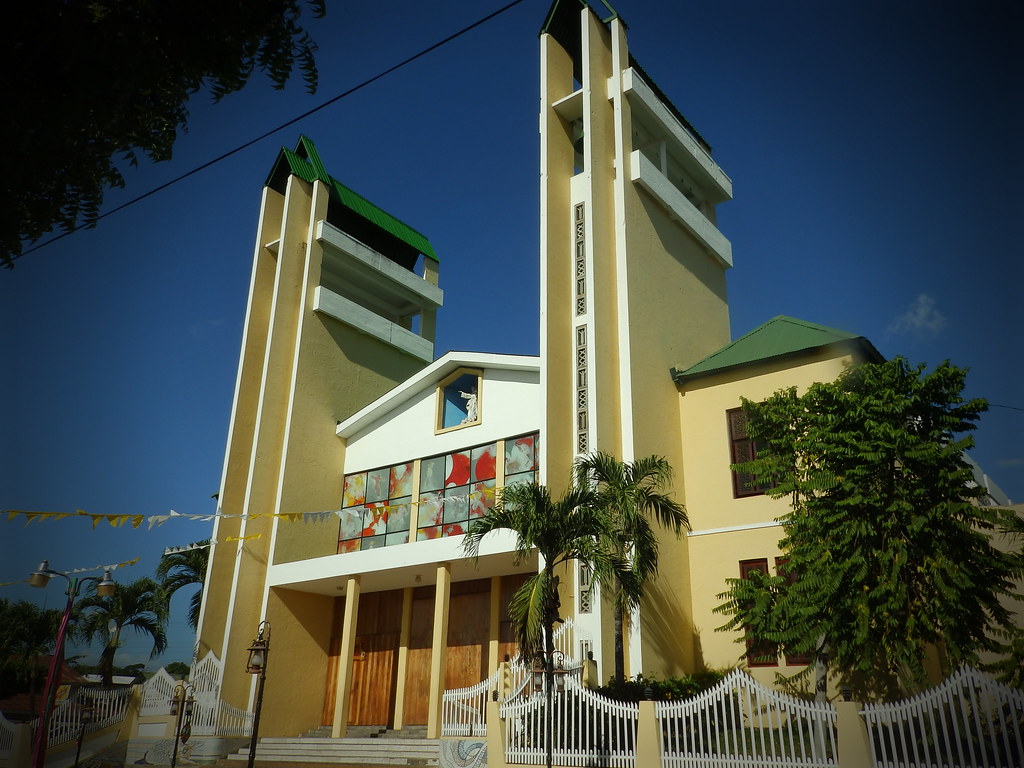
(495, 737)
(852, 737)
(648, 744)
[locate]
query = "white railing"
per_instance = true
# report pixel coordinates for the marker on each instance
(464, 710)
(586, 729)
(740, 722)
(7, 731)
(205, 676)
(968, 721)
(157, 693)
(109, 707)
(234, 721)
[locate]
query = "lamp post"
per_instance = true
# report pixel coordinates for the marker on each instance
(549, 676)
(181, 710)
(40, 578)
(85, 713)
(259, 652)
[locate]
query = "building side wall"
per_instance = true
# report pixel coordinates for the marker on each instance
(727, 530)
(297, 669)
(235, 474)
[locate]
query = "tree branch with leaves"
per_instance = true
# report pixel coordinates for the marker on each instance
(887, 541)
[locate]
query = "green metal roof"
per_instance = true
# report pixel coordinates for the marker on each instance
(305, 163)
(779, 337)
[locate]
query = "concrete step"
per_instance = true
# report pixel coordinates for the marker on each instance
(409, 751)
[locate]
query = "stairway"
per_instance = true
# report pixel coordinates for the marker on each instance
(362, 745)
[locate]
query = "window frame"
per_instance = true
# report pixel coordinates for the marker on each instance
(770, 657)
(741, 489)
(439, 396)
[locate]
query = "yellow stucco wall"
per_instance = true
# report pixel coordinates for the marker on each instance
(297, 670)
(715, 555)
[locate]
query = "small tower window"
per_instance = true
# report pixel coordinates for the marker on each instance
(459, 400)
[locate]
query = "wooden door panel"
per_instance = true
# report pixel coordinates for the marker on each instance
(417, 681)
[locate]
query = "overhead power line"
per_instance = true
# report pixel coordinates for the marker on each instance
(272, 131)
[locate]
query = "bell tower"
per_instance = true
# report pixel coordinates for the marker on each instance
(632, 267)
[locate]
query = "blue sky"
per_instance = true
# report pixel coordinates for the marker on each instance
(875, 154)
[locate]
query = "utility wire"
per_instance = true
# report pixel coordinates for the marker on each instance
(272, 131)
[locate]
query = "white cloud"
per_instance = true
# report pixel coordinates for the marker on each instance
(920, 319)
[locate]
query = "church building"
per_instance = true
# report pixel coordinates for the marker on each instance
(356, 458)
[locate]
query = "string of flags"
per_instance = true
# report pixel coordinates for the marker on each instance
(136, 520)
(94, 568)
(209, 543)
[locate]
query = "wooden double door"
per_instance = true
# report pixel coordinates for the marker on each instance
(375, 666)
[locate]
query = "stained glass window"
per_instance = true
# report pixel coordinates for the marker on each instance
(467, 490)
(376, 508)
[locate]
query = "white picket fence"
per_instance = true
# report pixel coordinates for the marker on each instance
(968, 721)
(156, 694)
(586, 728)
(108, 707)
(7, 731)
(741, 722)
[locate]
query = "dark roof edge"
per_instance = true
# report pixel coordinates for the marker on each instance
(861, 343)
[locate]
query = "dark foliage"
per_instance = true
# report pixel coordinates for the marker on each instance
(94, 84)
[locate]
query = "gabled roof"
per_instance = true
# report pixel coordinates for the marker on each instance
(428, 377)
(305, 163)
(780, 337)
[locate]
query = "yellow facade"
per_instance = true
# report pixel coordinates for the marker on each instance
(332, 383)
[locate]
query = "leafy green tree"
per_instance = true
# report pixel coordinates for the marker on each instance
(97, 83)
(26, 633)
(183, 568)
(630, 495)
(561, 531)
(140, 605)
(888, 548)
(177, 669)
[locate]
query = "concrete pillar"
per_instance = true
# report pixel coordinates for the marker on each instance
(403, 658)
(438, 649)
(852, 740)
(343, 688)
(496, 737)
(648, 737)
(494, 634)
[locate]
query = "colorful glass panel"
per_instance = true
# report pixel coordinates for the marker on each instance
(456, 504)
(430, 532)
(430, 510)
(398, 514)
(481, 498)
(483, 462)
(432, 474)
(355, 490)
(375, 519)
(377, 484)
(456, 469)
(401, 481)
(520, 454)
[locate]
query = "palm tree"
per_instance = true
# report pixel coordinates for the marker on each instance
(182, 568)
(570, 528)
(27, 632)
(629, 493)
(140, 605)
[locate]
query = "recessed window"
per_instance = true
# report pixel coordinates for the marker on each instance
(376, 508)
(458, 400)
(743, 449)
(761, 654)
(454, 489)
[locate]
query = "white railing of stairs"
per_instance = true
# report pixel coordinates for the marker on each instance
(463, 710)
